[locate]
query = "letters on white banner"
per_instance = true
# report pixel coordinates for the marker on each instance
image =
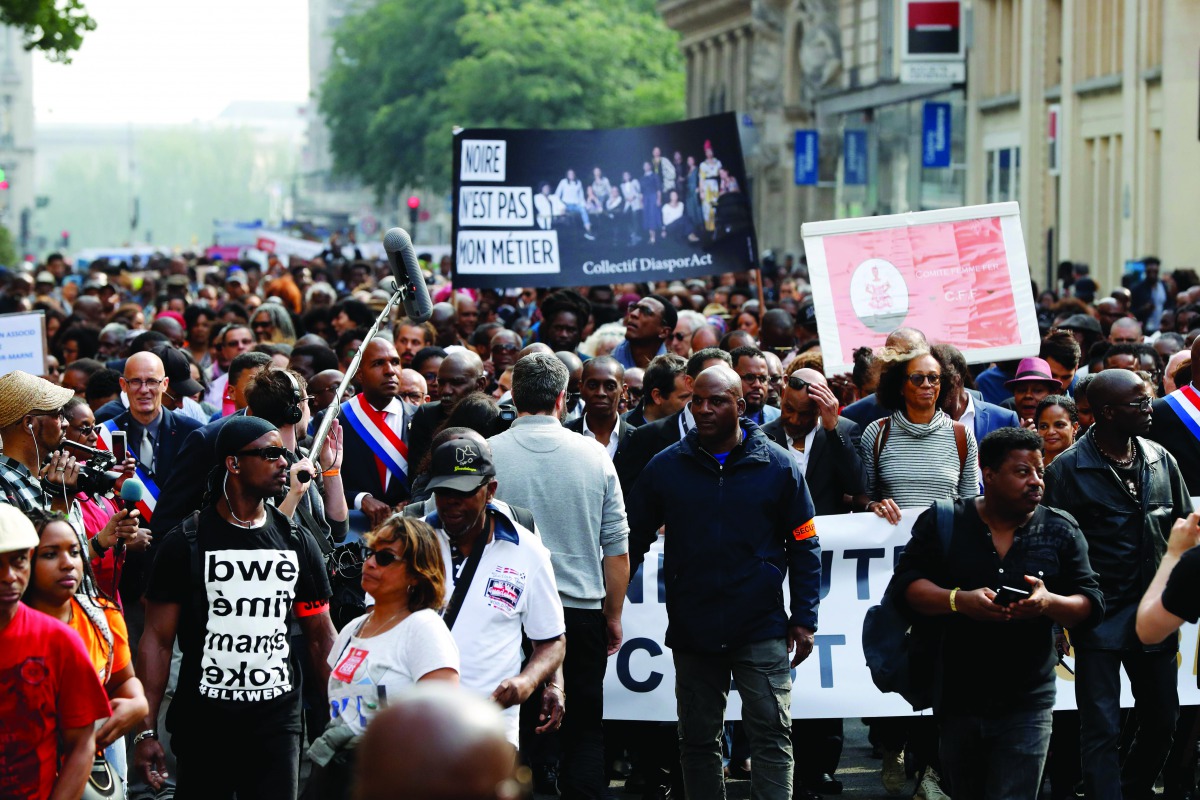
(859, 553)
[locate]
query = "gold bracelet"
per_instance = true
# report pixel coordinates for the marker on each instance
(332, 473)
(556, 686)
(953, 607)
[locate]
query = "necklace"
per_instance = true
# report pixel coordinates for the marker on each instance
(384, 625)
(1121, 462)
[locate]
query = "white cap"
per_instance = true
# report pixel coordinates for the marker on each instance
(16, 531)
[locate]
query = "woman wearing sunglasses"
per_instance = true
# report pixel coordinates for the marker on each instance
(104, 521)
(914, 457)
(401, 641)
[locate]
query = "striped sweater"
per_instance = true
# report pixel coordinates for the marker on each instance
(919, 463)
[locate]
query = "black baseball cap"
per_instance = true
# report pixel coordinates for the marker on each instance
(461, 465)
(179, 370)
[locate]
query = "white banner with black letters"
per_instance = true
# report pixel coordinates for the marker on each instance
(859, 552)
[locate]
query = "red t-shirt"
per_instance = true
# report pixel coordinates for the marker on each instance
(47, 683)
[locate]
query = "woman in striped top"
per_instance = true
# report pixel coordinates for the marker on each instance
(918, 454)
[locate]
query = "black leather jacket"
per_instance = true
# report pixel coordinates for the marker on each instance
(1126, 536)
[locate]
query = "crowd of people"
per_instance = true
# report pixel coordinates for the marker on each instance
(264, 616)
(671, 198)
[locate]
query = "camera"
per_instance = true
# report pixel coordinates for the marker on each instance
(97, 475)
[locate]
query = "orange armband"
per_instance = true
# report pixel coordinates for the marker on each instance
(310, 608)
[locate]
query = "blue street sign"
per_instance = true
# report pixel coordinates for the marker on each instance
(854, 158)
(806, 158)
(935, 136)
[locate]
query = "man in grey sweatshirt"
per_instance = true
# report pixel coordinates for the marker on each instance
(570, 485)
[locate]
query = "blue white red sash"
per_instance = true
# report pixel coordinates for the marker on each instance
(1185, 401)
(150, 497)
(385, 443)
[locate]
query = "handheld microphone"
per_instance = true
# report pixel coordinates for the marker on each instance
(403, 261)
(132, 491)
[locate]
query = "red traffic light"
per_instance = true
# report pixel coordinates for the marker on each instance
(3, 185)
(413, 202)
(66, 234)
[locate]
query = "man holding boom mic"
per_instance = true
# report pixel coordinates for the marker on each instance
(376, 421)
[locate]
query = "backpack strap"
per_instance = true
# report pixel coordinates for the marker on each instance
(191, 531)
(960, 441)
(945, 523)
(885, 427)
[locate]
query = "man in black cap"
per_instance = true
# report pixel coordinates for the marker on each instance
(230, 581)
(501, 583)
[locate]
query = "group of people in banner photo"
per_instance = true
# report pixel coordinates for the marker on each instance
(202, 598)
(668, 198)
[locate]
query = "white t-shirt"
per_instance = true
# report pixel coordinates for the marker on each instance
(513, 589)
(365, 670)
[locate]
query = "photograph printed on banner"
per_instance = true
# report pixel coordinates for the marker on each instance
(537, 207)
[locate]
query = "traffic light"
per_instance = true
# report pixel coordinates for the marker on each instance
(414, 211)
(66, 239)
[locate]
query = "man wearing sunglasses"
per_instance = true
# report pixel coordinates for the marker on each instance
(1126, 493)
(230, 584)
(508, 588)
(31, 424)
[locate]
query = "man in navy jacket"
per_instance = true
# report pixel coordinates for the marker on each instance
(738, 518)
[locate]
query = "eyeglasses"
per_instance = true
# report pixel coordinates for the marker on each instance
(87, 430)
(62, 415)
(920, 379)
(635, 392)
(504, 348)
(796, 382)
(137, 384)
(412, 397)
(1145, 404)
(752, 379)
(384, 558)
(269, 453)
(679, 337)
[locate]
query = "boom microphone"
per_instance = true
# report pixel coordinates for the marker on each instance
(132, 491)
(403, 260)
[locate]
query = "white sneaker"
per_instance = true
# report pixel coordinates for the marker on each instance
(931, 787)
(893, 777)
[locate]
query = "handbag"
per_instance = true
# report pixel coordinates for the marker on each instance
(103, 783)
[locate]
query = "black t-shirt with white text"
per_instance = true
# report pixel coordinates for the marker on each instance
(238, 663)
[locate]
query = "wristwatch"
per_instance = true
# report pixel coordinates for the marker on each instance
(146, 734)
(99, 548)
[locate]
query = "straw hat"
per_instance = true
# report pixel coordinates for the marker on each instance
(22, 393)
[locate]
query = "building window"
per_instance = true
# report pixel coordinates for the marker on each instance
(999, 40)
(1099, 38)
(1003, 174)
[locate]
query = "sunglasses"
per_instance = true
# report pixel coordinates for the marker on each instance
(269, 453)
(919, 379)
(384, 558)
(635, 392)
(796, 382)
(87, 430)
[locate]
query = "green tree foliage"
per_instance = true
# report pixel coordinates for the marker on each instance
(490, 63)
(55, 27)
(8, 248)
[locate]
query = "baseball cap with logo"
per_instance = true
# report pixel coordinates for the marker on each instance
(461, 465)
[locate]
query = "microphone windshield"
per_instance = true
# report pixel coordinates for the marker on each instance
(132, 490)
(403, 261)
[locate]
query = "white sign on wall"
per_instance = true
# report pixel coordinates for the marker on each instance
(23, 342)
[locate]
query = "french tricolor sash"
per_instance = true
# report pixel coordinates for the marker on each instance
(385, 443)
(150, 498)
(1185, 402)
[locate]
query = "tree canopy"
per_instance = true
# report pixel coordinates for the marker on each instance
(395, 89)
(55, 27)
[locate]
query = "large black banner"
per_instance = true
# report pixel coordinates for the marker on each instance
(576, 208)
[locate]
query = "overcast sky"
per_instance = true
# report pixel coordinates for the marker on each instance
(173, 61)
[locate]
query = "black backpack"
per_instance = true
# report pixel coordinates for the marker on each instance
(902, 654)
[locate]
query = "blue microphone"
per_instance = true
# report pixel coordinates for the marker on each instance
(132, 492)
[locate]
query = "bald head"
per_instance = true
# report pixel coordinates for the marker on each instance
(811, 376)
(1125, 331)
(1111, 386)
(453, 747)
(906, 340)
(460, 373)
(170, 328)
(536, 347)
(720, 378)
